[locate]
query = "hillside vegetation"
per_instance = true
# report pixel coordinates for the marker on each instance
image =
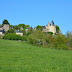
(19, 56)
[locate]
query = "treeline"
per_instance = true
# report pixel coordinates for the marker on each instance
(38, 38)
(47, 40)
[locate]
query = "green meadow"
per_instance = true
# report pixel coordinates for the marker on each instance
(19, 56)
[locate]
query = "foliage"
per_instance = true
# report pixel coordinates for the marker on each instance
(24, 38)
(21, 25)
(16, 27)
(69, 34)
(23, 31)
(46, 40)
(37, 38)
(39, 28)
(69, 43)
(57, 29)
(30, 31)
(0, 36)
(12, 36)
(50, 33)
(26, 26)
(5, 22)
(60, 41)
(10, 31)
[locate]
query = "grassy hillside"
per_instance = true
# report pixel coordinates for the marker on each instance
(18, 56)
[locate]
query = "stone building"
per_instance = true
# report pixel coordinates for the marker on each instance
(6, 27)
(18, 32)
(49, 28)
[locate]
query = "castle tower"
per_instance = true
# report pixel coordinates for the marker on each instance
(6, 27)
(48, 24)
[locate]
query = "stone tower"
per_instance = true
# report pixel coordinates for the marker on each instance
(51, 27)
(6, 27)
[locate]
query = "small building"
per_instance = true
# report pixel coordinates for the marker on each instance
(27, 29)
(18, 32)
(2, 32)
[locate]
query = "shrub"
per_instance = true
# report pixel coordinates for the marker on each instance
(12, 36)
(24, 38)
(62, 46)
(50, 33)
(37, 38)
(69, 43)
(10, 31)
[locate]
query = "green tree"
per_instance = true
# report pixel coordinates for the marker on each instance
(69, 34)
(26, 26)
(5, 22)
(10, 31)
(23, 31)
(57, 29)
(21, 25)
(39, 28)
(16, 27)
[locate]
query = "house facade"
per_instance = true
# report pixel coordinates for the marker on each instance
(18, 32)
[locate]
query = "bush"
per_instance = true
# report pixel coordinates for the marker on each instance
(50, 33)
(10, 31)
(12, 36)
(37, 38)
(69, 43)
(60, 42)
(24, 38)
(62, 46)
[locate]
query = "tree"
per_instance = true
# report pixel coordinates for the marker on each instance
(69, 34)
(5, 22)
(57, 29)
(39, 28)
(21, 25)
(16, 27)
(23, 31)
(26, 26)
(10, 31)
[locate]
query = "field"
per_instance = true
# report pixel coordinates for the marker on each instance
(19, 56)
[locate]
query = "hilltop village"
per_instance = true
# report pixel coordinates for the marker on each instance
(48, 36)
(6, 26)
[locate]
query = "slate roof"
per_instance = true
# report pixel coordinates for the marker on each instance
(2, 31)
(1, 26)
(28, 28)
(44, 27)
(18, 31)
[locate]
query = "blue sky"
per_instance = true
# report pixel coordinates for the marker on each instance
(37, 12)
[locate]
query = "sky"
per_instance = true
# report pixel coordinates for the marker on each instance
(37, 12)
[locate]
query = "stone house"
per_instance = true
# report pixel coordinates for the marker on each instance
(2, 32)
(18, 32)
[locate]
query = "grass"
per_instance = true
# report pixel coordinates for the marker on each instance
(18, 56)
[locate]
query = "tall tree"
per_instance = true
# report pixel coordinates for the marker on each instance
(39, 28)
(57, 29)
(5, 22)
(21, 25)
